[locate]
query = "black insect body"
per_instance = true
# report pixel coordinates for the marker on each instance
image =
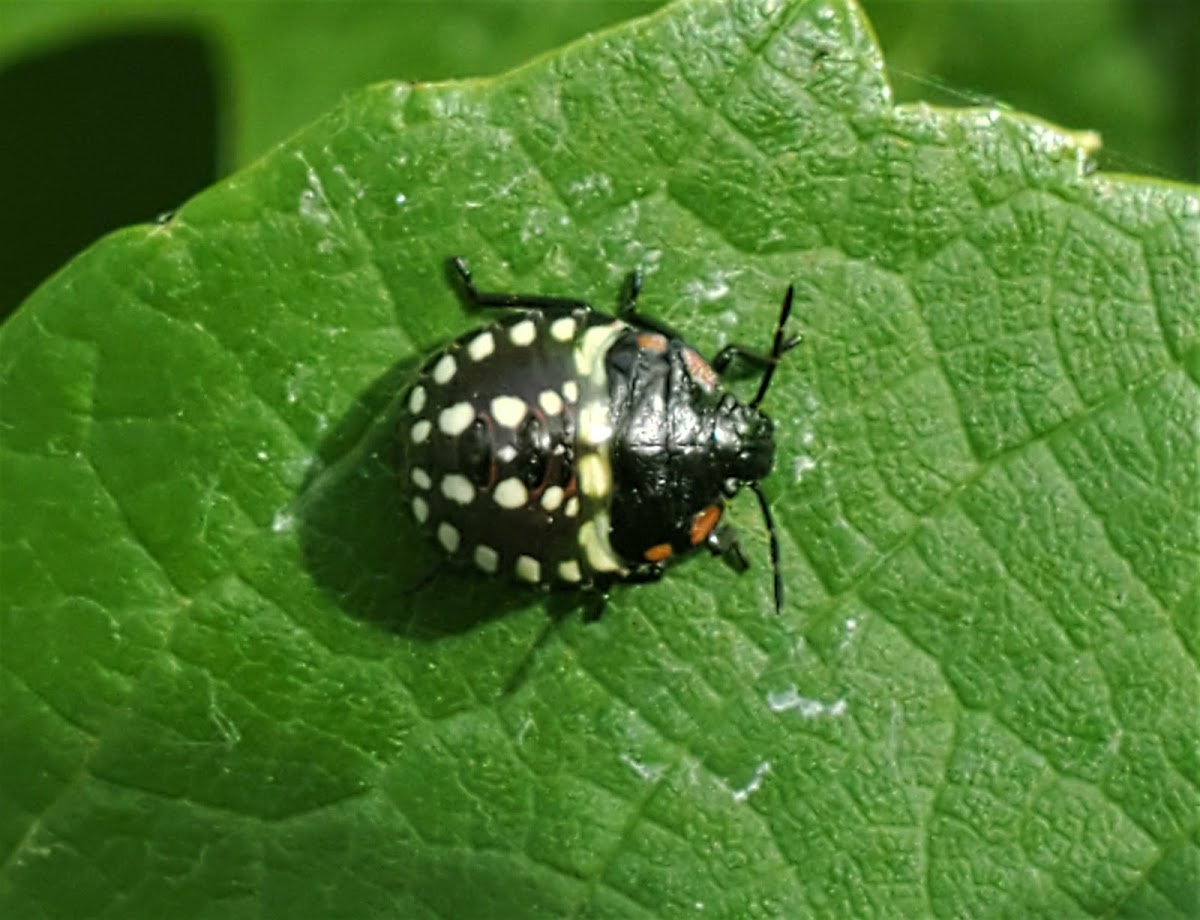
(566, 447)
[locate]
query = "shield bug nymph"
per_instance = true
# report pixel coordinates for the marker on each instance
(566, 447)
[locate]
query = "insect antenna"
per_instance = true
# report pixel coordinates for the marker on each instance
(778, 346)
(774, 538)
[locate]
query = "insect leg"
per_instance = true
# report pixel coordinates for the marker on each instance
(753, 359)
(478, 299)
(596, 602)
(633, 287)
(723, 542)
(425, 580)
(629, 312)
(774, 542)
(644, 575)
(757, 359)
(521, 672)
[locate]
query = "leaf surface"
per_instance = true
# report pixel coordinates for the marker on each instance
(221, 701)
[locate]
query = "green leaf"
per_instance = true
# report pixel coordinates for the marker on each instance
(221, 701)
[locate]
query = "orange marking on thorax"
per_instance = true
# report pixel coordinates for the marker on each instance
(658, 552)
(652, 341)
(699, 370)
(703, 524)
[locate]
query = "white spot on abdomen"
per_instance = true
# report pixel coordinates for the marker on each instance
(523, 333)
(420, 431)
(455, 419)
(529, 569)
(552, 498)
(487, 559)
(563, 328)
(508, 410)
(481, 346)
(458, 488)
(510, 493)
(447, 536)
(416, 400)
(443, 371)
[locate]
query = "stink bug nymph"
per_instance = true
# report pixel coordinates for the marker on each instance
(565, 447)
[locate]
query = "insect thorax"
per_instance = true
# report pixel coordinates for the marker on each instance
(681, 445)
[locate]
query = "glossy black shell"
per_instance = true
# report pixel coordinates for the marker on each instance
(569, 447)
